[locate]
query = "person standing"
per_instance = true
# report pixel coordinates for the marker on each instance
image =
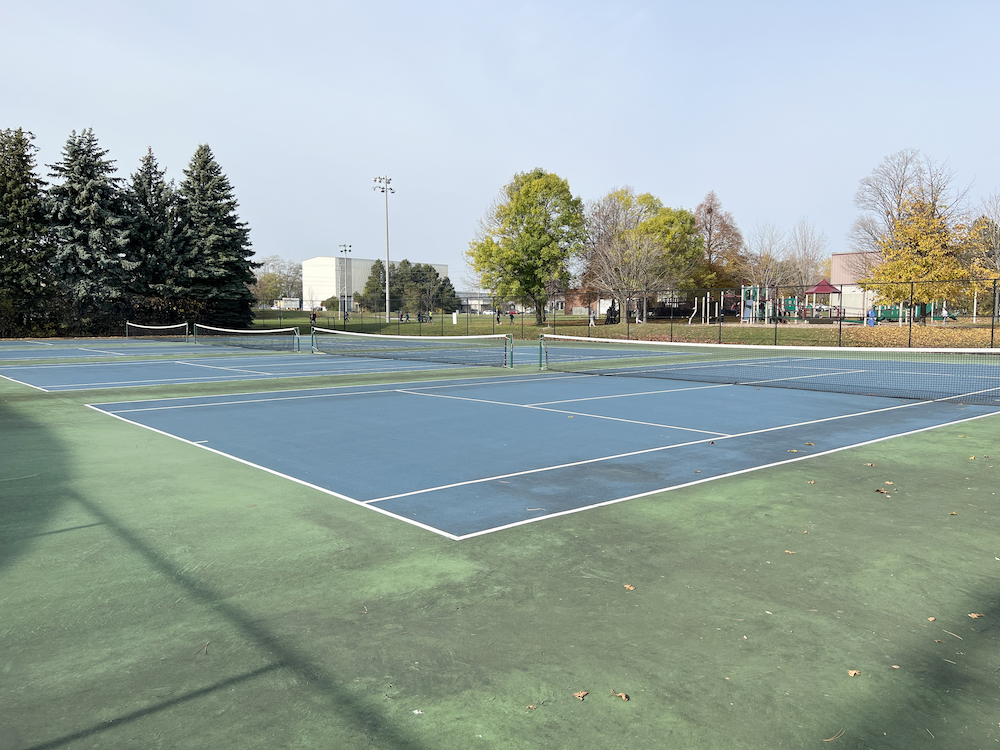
(593, 318)
(512, 317)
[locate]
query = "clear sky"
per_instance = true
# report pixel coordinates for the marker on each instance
(780, 107)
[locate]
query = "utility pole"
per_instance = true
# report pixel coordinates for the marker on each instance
(382, 185)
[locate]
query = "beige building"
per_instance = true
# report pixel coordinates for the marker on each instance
(340, 276)
(845, 270)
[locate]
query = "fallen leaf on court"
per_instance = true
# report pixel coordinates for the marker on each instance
(810, 443)
(792, 450)
(711, 442)
(837, 736)
(889, 482)
(581, 694)
(975, 616)
(697, 472)
(853, 672)
(972, 458)
(619, 695)
(895, 666)
(882, 490)
(811, 481)
(869, 464)
(417, 711)
(531, 708)
(931, 619)
(806, 531)
(936, 640)
(953, 513)
(570, 416)
(630, 587)
(789, 552)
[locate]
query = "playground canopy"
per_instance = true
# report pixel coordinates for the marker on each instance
(823, 287)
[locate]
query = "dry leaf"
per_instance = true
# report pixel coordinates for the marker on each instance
(936, 640)
(888, 482)
(837, 736)
(931, 619)
(895, 666)
(806, 531)
(788, 551)
(581, 694)
(619, 695)
(531, 708)
(869, 464)
(976, 616)
(811, 481)
(853, 672)
(810, 443)
(792, 450)
(630, 587)
(883, 490)
(972, 458)
(953, 513)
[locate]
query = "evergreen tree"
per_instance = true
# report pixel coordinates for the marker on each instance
(373, 296)
(213, 267)
(151, 202)
(25, 284)
(447, 299)
(90, 230)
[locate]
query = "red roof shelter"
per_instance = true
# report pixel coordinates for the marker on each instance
(823, 287)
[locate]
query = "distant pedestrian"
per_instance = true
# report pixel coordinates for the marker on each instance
(512, 317)
(312, 318)
(870, 322)
(498, 316)
(593, 318)
(407, 318)
(944, 314)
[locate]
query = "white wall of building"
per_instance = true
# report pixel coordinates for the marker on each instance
(326, 277)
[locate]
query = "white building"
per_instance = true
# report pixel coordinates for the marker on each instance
(340, 276)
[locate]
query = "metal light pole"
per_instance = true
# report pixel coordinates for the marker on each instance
(344, 250)
(382, 185)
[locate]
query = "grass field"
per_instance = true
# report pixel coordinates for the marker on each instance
(157, 595)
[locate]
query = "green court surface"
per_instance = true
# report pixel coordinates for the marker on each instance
(156, 595)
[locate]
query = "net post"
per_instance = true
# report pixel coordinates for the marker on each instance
(909, 341)
(509, 343)
(185, 332)
(541, 348)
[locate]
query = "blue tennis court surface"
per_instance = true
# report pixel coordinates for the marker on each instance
(524, 448)
(76, 376)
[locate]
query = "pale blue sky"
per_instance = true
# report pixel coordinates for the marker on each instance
(780, 107)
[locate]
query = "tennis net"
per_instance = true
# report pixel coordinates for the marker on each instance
(274, 339)
(969, 376)
(174, 332)
(490, 350)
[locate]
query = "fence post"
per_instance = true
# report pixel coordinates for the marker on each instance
(909, 341)
(993, 313)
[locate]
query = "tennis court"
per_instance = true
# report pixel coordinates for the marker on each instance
(423, 559)
(532, 446)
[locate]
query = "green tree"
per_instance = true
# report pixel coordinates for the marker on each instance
(527, 238)
(25, 283)
(151, 203)
(213, 268)
(89, 225)
(372, 297)
(447, 299)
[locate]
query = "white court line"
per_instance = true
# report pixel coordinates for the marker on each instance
(386, 388)
(561, 411)
(227, 369)
(100, 351)
(649, 450)
(304, 483)
(626, 395)
(20, 382)
(720, 476)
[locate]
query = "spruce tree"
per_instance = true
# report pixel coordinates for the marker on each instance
(90, 231)
(213, 266)
(152, 202)
(25, 284)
